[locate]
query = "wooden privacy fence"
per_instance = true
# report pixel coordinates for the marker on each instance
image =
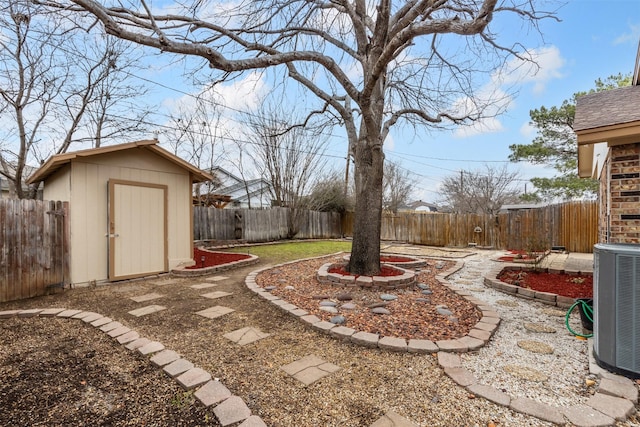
(34, 247)
(573, 225)
(267, 225)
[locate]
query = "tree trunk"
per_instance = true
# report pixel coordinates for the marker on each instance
(365, 249)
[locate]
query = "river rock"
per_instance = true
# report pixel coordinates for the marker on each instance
(380, 310)
(348, 306)
(344, 297)
(332, 310)
(388, 297)
(338, 320)
(327, 303)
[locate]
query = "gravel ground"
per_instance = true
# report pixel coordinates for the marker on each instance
(117, 387)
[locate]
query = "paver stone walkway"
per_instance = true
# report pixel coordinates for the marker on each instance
(143, 311)
(147, 297)
(216, 294)
(214, 312)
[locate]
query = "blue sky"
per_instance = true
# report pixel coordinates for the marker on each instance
(595, 39)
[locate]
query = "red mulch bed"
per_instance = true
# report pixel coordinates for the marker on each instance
(518, 255)
(213, 258)
(568, 285)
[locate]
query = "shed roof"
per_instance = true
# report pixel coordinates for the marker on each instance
(57, 161)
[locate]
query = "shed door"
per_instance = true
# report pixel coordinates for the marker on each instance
(137, 229)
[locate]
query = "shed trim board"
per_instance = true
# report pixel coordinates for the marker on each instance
(149, 259)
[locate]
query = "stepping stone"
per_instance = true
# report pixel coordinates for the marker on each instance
(553, 312)
(328, 304)
(216, 294)
(216, 278)
(231, 411)
(164, 358)
(526, 373)
(539, 327)
(535, 347)
(391, 419)
(203, 285)
(152, 347)
(147, 297)
(166, 282)
(507, 303)
(193, 378)
(246, 335)
(214, 312)
(177, 367)
(143, 311)
(310, 369)
(212, 392)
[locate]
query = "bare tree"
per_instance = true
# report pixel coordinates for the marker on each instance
(398, 186)
(480, 191)
(56, 87)
(291, 157)
(369, 63)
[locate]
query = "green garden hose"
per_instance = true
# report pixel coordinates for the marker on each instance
(588, 312)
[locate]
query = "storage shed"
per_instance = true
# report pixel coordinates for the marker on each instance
(130, 210)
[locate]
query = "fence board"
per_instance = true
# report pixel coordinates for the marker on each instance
(34, 247)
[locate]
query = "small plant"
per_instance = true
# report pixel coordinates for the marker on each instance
(182, 400)
(577, 280)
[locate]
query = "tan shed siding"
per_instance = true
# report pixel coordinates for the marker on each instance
(57, 187)
(89, 249)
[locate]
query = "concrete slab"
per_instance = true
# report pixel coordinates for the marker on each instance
(67, 313)
(92, 317)
(231, 411)
(212, 392)
(101, 321)
(392, 419)
(216, 294)
(626, 390)
(136, 344)
(29, 312)
(49, 312)
(118, 331)
(147, 297)
(246, 335)
(214, 312)
(149, 309)
(165, 282)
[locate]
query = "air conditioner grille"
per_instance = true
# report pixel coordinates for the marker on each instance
(628, 312)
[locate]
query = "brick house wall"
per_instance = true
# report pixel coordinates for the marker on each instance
(619, 220)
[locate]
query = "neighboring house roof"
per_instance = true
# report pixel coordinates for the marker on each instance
(420, 205)
(57, 161)
(237, 187)
(611, 117)
(517, 207)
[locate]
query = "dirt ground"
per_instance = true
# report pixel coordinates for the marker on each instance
(63, 372)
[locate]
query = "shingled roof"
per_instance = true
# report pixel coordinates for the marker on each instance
(607, 108)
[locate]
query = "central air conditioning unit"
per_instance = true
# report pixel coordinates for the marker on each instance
(616, 304)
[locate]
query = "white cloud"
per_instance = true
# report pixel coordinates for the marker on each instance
(488, 125)
(547, 65)
(527, 130)
(631, 36)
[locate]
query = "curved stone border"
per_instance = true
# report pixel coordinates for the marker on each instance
(195, 272)
(383, 283)
(491, 280)
(413, 262)
(228, 408)
(477, 337)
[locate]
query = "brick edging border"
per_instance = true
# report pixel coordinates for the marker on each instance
(477, 337)
(228, 408)
(197, 272)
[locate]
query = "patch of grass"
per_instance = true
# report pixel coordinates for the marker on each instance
(289, 251)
